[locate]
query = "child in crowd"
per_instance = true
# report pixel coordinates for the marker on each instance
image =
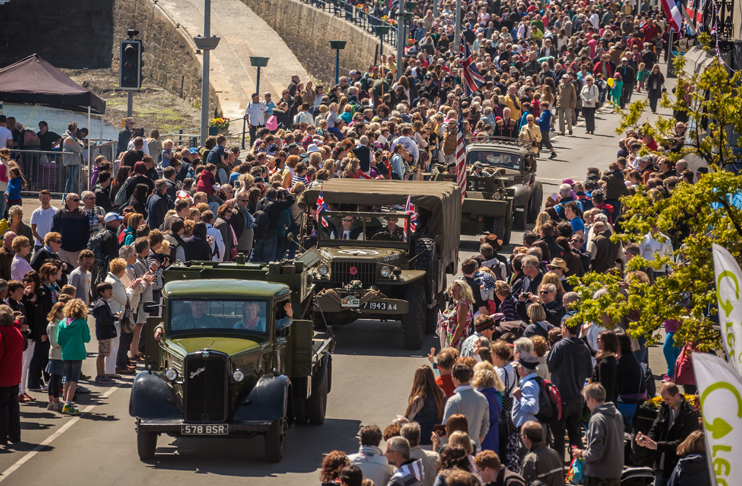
(105, 328)
(16, 183)
(616, 91)
(641, 75)
(72, 335)
(167, 153)
(55, 367)
(207, 180)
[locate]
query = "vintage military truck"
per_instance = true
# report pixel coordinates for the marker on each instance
(514, 163)
(230, 361)
(379, 273)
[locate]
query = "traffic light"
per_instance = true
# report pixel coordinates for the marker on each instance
(130, 65)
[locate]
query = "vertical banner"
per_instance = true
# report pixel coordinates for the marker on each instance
(728, 281)
(720, 392)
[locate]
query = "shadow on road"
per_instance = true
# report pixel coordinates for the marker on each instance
(246, 457)
(376, 338)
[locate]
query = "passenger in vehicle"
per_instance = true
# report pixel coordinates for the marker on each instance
(348, 231)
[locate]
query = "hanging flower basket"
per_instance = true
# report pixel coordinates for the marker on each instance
(218, 126)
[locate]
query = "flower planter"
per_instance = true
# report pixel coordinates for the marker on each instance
(214, 131)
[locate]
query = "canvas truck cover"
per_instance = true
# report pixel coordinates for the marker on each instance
(441, 199)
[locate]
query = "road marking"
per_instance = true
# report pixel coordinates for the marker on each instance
(20, 462)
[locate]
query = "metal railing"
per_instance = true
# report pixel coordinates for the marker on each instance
(356, 15)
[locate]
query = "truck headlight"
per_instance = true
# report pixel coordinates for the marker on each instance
(322, 269)
(497, 196)
(238, 376)
(386, 271)
(171, 374)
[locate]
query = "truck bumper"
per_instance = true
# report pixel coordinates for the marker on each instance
(340, 301)
(174, 427)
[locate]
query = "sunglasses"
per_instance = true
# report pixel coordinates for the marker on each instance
(59, 242)
(545, 292)
(74, 200)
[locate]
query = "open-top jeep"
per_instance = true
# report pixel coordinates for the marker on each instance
(235, 356)
(511, 163)
(368, 268)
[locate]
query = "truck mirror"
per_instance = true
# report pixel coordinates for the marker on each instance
(151, 307)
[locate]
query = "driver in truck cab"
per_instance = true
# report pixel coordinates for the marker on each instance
(195, 319)
(391, 231)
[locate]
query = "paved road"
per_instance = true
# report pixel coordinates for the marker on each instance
(372, 379)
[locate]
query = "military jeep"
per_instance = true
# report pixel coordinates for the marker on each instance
(378, 272)
(515, 164)
(230, 361)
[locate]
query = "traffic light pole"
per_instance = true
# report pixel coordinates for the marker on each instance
(205, 76)
(129, 103)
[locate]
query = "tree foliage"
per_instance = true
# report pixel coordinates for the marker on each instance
(698, 215)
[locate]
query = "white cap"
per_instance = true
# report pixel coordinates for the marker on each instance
(113, 217)
(312, 148)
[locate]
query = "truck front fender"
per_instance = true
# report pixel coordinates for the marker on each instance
(267, 401)
(522, 195)
(322, 375)
(153, 398)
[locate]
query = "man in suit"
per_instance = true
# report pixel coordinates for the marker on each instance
(363, 154)
(347, 231)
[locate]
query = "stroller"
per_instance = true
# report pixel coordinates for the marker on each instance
(637, 476)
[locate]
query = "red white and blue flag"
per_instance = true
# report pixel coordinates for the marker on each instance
(410, 209)
(472, 79)
(672, 14)
(321, 206)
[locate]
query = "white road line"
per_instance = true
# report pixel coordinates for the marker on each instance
(50, 439)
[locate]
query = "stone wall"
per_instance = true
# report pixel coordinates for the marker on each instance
(308, 31)
(69, 34)
(170, 57)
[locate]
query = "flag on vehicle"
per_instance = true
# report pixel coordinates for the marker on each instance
(672, 13)
(473, 80)
(410, 209)
(321, 206)
(461, 156)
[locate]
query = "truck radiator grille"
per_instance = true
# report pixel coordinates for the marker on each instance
(344, 272)
(205, 387)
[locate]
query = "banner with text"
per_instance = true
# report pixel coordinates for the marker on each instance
(720, 392)
(728, 281)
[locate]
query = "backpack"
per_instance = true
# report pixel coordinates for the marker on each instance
(261, 226)
(549, 402)
(120, 198)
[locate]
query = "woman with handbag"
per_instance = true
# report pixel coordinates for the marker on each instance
(119, 302)
(630, 386)
(589, 94)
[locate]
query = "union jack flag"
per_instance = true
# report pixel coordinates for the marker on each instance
(471, 77)
(321, 206)
(410, 209)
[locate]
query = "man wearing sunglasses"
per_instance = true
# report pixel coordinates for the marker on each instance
(72, 223)
(347, 230)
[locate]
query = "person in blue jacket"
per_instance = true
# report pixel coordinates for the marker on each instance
(544, 124)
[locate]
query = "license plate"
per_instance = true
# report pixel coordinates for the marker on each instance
(350, 301)
(382, 306)
(221, 429)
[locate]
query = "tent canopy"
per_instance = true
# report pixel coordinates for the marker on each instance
(34, 81)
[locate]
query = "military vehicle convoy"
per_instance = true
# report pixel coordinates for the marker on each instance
(237, 356)
(368, 268)
(506, 196)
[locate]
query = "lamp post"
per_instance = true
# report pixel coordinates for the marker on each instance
(257, 62)
(457, 40)
(337, 45)
(400, 39)
(206, 44)
(381, 31)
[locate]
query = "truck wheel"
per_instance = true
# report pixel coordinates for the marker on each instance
(299, 400)
(146, 444)
(412, 323)
(317, 404)
(274, 442)
(431, 316)
(519, 218)
(536, 200)
(498, 227)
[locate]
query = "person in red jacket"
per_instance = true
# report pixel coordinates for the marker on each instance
(444, 361)
(11, 359)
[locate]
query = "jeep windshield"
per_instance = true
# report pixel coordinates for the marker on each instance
(192, 315)
(383, 229)
(490, 158)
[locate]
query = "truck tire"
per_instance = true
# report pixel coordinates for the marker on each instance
(146, 444)
(425, 247)
(274, 441)
(431, 316)
(299, 400)
(317, 404)
(413, 325)
(535, 204)
(519, 218)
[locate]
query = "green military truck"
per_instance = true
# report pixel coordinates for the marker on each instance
(236, 357)
(378, 272)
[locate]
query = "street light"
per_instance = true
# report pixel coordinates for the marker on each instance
(381, 31)
(257, 62)
(206, 44)
(337, 45)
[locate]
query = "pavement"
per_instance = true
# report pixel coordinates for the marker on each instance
(371, 383)
(243, 34)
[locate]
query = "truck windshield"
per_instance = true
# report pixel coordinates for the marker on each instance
(364, 227)
(244, 315)
(494, 159)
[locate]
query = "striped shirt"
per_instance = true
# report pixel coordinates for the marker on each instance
(507, 307)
